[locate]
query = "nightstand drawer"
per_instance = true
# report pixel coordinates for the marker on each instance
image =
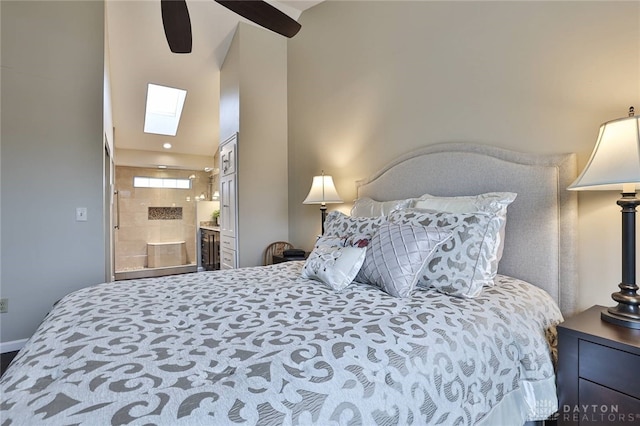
(609, 367)
(603, 406)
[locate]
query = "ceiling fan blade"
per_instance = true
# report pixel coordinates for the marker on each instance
(177, 25)
(263, 14)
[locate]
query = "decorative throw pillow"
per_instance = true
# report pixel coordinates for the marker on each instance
(356, 240)
(398, 253)
(466, 262)
(330, 241)
(334, 265)
(338, 224)
(490, 202)
(367, 207)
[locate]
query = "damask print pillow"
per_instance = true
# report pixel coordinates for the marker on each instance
(330, 241)
(335, 266)
(367, 207)
(397, 254)
(466, 262)
(490, 202)
(338, 224)
(355, 240)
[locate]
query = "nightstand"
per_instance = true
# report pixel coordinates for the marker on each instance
(598, 367)
(280, 259)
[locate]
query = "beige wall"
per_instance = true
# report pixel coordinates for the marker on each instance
(253, 102)
(140, 158)
(371, 80)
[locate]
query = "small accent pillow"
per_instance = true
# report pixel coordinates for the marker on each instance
(335, 266)
(490, 202)
(367, 207)
(397, 254)
(338, 224)
(466, 262)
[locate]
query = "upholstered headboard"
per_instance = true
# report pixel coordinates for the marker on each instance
(540, 242)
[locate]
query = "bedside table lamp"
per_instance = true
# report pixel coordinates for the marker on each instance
(322, 192)
(615, 165)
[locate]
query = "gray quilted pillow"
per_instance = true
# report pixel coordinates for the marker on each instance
(466, 262)
(397, 254)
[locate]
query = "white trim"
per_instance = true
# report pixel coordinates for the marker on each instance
(13, 346)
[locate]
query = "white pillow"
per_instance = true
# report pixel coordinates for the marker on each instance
(367, 207)
(334, 265)
(466, 262)
(490, 202)
(397, 255)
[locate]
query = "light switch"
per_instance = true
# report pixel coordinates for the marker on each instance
(81, 214)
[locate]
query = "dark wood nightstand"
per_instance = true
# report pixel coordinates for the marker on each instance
(598, 369)
(280, 259)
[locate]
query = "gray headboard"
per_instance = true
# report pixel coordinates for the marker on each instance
(540, 242)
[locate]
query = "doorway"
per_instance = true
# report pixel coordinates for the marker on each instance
(156, 218)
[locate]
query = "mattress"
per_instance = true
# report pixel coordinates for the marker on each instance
(264, 346)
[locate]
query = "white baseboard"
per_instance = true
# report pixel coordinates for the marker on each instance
(15, 345)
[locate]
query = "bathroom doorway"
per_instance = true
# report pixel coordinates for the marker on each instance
(156, 217)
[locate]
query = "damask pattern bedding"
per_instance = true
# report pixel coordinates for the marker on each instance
(265, 346)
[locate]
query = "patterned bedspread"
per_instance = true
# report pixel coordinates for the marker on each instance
(264, 346)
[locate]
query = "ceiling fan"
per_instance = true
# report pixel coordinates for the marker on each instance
(177, 24)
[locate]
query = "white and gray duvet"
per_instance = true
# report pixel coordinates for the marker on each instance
(264, 346)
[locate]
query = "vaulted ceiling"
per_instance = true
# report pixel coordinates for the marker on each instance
(139, 55)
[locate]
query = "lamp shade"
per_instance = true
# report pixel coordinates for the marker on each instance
(615, 160)
(322, 191)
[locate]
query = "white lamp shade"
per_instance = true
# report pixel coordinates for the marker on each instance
(615, 160)
(322, 191)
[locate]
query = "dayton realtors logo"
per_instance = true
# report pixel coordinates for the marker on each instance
(597, 414)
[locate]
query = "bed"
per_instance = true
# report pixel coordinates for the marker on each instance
(266, 345)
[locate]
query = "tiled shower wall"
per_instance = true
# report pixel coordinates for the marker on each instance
(137, 227)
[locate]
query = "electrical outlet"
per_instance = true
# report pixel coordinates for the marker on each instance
(4, 305)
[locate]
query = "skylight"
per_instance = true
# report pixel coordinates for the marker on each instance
(164, 107)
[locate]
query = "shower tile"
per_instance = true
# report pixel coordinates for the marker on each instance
(165, 213)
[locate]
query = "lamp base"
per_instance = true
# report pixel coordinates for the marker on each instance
(323, 214)
(627, 312)
(611, 316)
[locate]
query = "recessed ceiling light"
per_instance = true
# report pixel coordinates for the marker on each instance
(166, 145)
(207, 169)
(162, 167)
